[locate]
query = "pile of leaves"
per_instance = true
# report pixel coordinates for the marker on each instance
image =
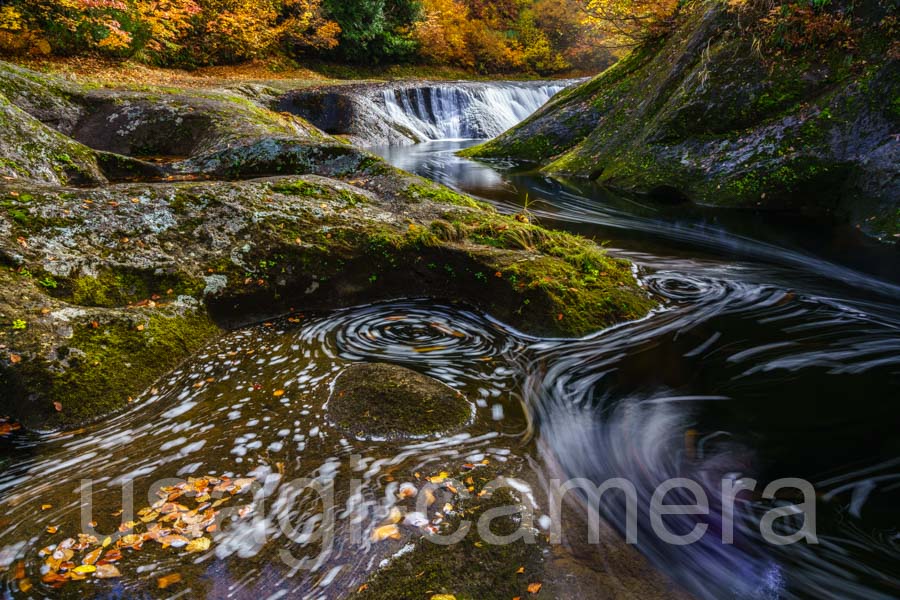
(168, 522)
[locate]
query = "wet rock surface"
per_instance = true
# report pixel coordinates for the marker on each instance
(719, 114)
(379, 401)
(107, 286)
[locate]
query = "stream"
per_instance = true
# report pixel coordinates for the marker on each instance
(776, 354)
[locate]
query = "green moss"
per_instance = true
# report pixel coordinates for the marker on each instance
(444, 195)
(119, 288)
(117, 361)
(298, 188)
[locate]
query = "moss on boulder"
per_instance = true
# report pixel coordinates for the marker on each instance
(379, 401)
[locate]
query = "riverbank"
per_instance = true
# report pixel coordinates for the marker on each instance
(741, 106)
(139, 223)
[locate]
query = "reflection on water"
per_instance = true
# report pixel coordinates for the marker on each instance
(775, 354)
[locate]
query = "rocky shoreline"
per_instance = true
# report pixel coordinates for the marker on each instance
(136, 225)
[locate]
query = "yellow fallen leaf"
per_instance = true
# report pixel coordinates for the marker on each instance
(278, 393)
(199, 545)
(25, 586)
(439, 478)
(46, 506)
(84, 569)
(521, 570)
(443, 597)
(52, 529)
(106, 541)
(386, 532)
(395, 516)
(426, 349)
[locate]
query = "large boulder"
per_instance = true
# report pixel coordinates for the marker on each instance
(379, 401)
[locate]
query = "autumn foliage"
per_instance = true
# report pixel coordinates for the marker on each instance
(541, 36)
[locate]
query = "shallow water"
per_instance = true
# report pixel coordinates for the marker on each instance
(776, 354)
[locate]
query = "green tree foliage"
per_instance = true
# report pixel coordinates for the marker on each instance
(374, 31)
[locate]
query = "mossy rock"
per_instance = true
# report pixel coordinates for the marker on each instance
(378, 401)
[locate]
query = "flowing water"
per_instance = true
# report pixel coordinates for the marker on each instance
(776, 354)
(466, 110)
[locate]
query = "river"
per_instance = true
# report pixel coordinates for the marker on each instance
(776, 353)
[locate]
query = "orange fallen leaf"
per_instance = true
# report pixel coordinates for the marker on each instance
(167, 580)
(520, 570)
(20, 570)
(58, 406)
(534, 588)
(92, 557)
(52, 529)
(107, 571)
(46, 506)
(278, 393)
(15, 359)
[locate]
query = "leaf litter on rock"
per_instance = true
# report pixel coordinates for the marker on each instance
(169, 522)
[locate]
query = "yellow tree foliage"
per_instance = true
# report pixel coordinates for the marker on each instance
(442, 33)
(630, 22)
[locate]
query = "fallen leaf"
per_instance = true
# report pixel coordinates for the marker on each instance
(57, 406)
(20, 570)
(199, 545)
(84, 569)
(520, 570)
(278, 393)
(24, 586)
(107, 572)
(46, 506)
(534, 588)
(386, 532)
(427, 349)
(167, 580)
(92, 557)
(52, 529)
(15, 359)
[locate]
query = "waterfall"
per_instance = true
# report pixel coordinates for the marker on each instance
(465, 110)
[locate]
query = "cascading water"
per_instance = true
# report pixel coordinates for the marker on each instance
(466, 110)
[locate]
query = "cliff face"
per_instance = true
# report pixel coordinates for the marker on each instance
(739, 107)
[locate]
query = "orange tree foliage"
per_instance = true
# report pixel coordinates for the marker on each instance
(491, 36)
(543, 36)
(167, 31)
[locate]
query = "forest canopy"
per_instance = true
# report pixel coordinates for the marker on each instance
(540, 36)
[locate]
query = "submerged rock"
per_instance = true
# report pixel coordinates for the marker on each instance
(730, 110)
(379, 401)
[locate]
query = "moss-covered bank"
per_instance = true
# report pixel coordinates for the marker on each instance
(107, 287)
(741, 105)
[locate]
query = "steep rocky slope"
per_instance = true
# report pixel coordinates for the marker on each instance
(757, 104)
